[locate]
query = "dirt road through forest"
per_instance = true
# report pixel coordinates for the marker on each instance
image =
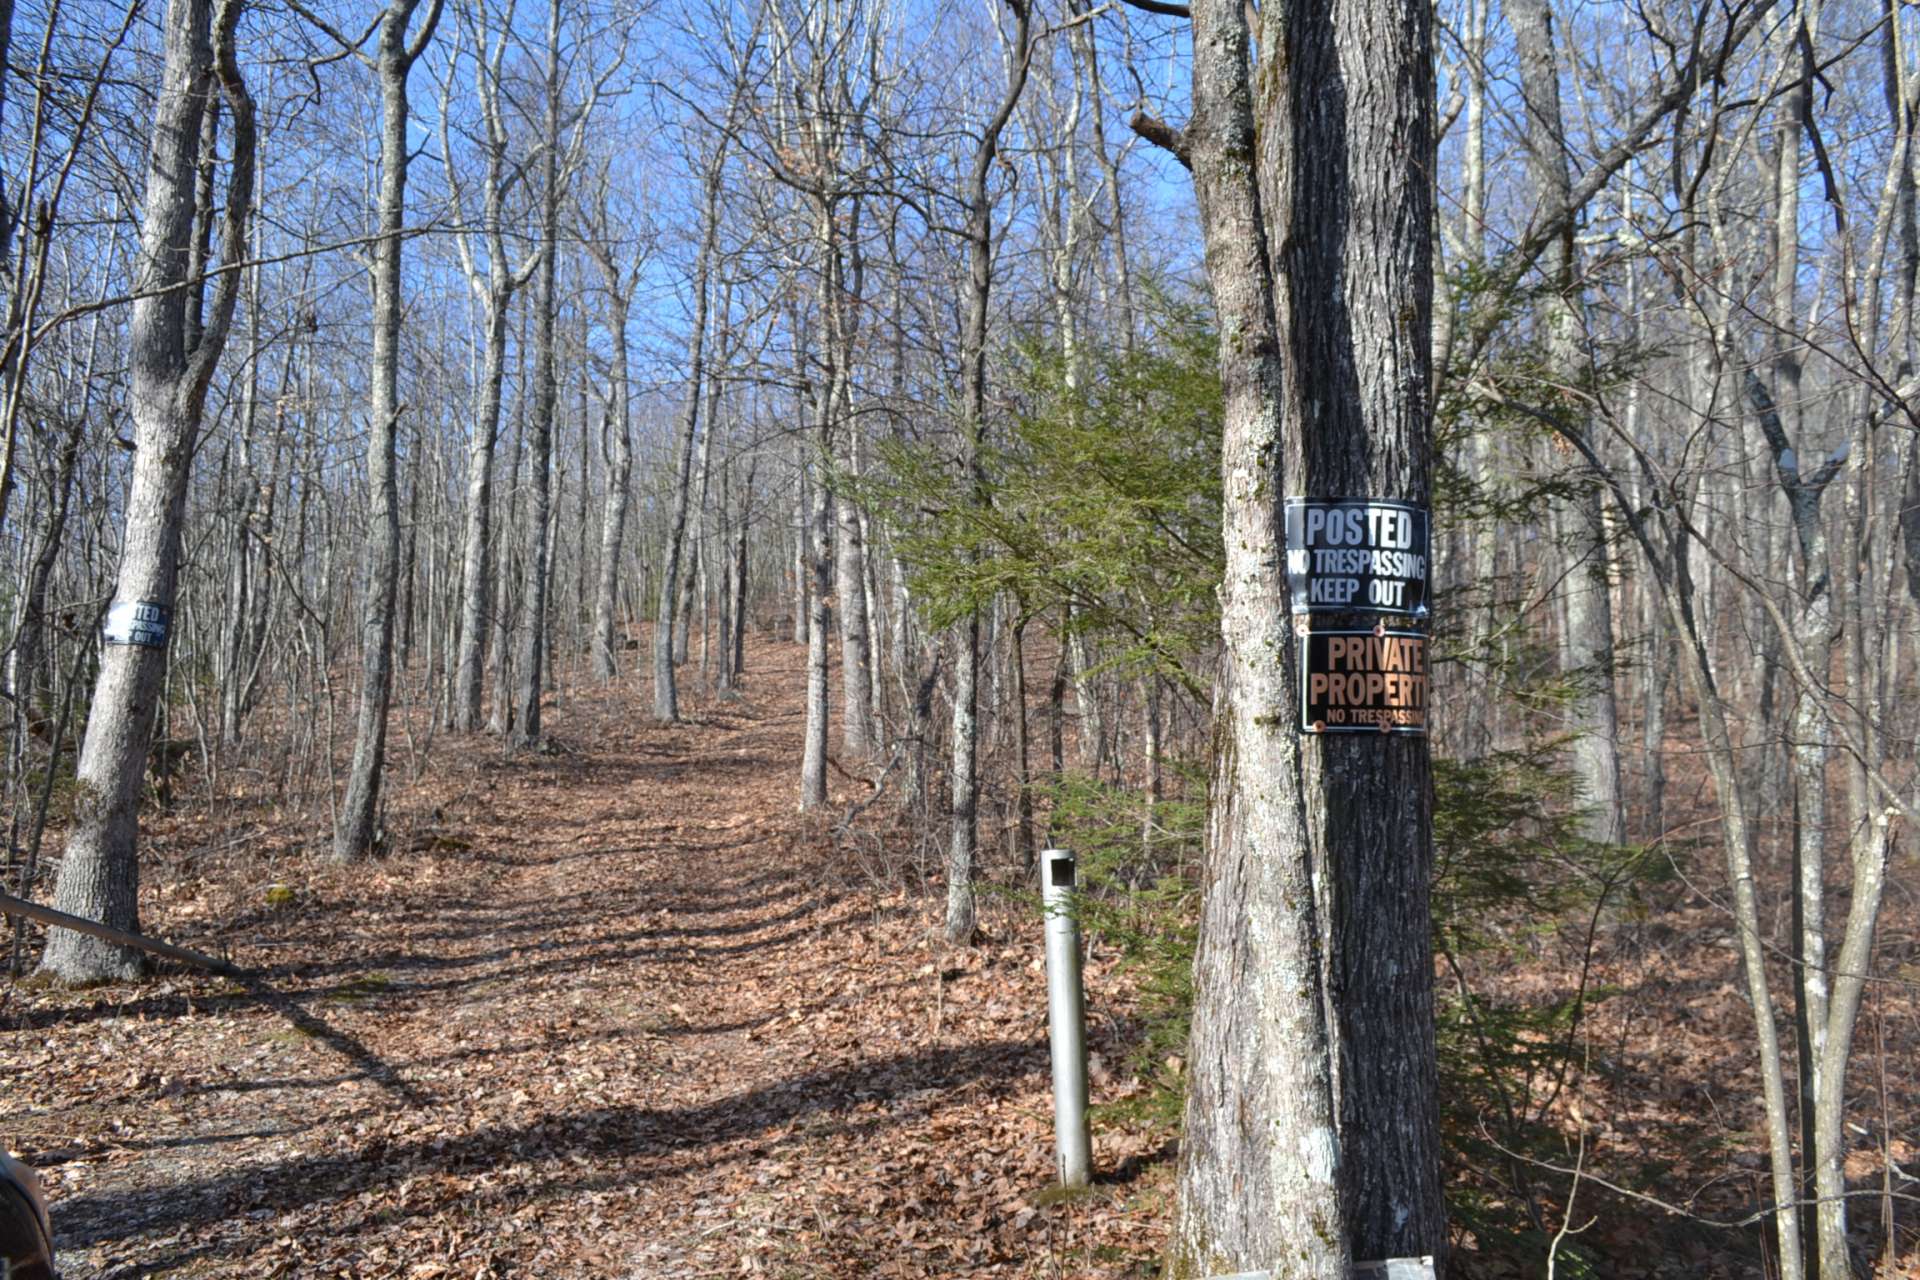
(607, 1011)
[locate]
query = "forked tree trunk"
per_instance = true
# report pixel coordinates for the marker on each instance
(99, 874)
(494, 288)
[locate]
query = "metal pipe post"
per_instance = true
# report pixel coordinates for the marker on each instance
(1066, 1020)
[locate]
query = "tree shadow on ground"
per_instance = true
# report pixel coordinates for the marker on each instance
(591, 1149)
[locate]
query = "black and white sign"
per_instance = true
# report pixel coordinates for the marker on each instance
(1397, 1269)
(1358, 554)
(141, 623)
(1363, 682)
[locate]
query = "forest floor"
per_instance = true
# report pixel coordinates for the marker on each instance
(615, 1010)
(612, 1010)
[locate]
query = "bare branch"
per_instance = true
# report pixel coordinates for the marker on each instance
(1163, 135)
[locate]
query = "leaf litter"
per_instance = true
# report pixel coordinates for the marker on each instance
(610, 1011)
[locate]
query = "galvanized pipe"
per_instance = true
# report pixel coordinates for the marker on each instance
(1066, 1019)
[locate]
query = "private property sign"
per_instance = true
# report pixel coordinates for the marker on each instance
(1363, 681)
(1362, 553)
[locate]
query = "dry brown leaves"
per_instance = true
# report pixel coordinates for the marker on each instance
(615, 1011)
(607, 1012)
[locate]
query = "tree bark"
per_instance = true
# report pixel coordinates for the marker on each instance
(546, 397)
(1587, 643)
(500, 718)
(735, 662)
(666, 697)
(358, 821)
(99, 875)
(613, 520)
(1311, 1138)
(476, 572)
(818, 536)
(494, 288)
(963, 835)
(858, 734)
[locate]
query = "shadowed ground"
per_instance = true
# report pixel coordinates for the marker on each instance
(614, 1011)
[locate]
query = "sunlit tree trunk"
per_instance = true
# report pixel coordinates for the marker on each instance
(171, 363)
(358, 821)
(493, 287)
(666, 696)
(534, 654)
(613, 519)
(1587, 645)
(1311, 1137)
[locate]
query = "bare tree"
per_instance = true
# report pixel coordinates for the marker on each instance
(562, 148)
(620, 273)
(176, 344)
(493, 285)
(533, 597)
(1587, 644)
(357, 827)
(964, 835)
(666, 695)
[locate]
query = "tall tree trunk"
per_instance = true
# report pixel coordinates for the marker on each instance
(546, 404)
(613, 520)
(1311, 1137)
(858, 735)
(360, 809)
(99, 875)
(239, 607)
(801, 572)
(582, 568)
(1812, 585)
(963, 836)
(494, 288)
(725, 619)
(410, 557)
(819, 560)
(735, 663)
(825, 405)
(666, 697)
(1091, 740)
(29, 643)
(1587, 643)
(476, 571)
(1779, 409)
(500, 718)
(698, 575)
(1022, 745)
(6, 205)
